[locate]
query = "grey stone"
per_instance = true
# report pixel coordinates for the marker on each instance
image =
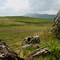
(39, 52)
(32, 39)
(56, 25)
(21, 48)
(6, 53)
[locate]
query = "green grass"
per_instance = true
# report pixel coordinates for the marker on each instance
(45, 58)
(14, 29)
(5, 21)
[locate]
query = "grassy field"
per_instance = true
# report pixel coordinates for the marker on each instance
(14, 29)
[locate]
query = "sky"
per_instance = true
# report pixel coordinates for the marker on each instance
(22, 7)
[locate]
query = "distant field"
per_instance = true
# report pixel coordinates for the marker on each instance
(11, 27)
(14, 29)
(23, 21)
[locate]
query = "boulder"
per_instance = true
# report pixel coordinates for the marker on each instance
(6, 53)
(56, 25)
(39, 52)
(32, 39)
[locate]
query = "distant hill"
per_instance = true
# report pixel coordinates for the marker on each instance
(47, 16)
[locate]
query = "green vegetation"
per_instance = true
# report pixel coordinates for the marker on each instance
(14, 29)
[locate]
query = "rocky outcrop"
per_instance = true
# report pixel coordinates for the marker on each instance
(39, 52)
(32, 39)
(56, 25)
(6, 53)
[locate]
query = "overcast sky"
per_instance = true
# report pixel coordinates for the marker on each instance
(22, 7)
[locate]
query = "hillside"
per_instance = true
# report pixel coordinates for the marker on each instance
(14, 29)
(46, 16)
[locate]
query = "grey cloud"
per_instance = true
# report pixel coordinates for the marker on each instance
(43, 5)
(36, 6)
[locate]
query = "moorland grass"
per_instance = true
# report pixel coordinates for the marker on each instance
(14, 29)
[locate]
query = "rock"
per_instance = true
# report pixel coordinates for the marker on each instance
(24, 46)
(32, 40)
(6, 53)
(56, 25)
(39, 52)
(32, 45)
(26, 40)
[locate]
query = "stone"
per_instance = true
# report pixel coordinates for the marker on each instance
(23, 47)
(26, 40)
(6, 53)
(39, 52)
(56, 25)
(32, 39)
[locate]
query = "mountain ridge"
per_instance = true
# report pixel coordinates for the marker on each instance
(47, 16)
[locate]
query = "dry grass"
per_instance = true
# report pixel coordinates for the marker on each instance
(22, 29)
